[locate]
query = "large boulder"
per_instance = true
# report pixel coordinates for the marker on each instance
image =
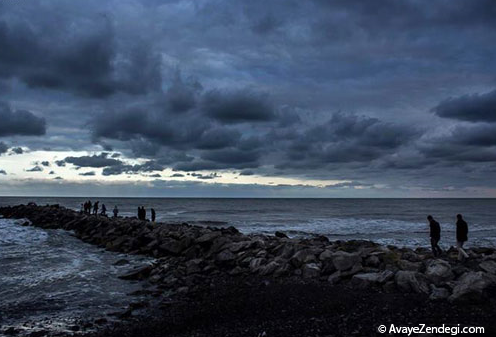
(366, 280)
(255, 264)
(303, 256)
(439, 271)
(410, 281)
(488, 266)
(438, 293)
(472, 287)
(207, 238)
(407, 265)
(372, 261)
(225, 256)
(269, 268)
(173, 247)
(310, 270)
(343, 260)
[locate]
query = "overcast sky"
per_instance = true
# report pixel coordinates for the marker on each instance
(275, 98)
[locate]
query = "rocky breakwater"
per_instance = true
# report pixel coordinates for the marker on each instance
(188, 257)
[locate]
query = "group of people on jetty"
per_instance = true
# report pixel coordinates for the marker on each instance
(461, 236)
(435, 228)
(88, 208)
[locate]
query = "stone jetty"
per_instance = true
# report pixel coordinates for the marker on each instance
(187, 256)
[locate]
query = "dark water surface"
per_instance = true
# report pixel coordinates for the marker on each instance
(391, 221)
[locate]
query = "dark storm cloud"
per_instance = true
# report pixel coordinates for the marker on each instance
(238, 107)
(90, 173)
(20, 122)
(347, 138)
(35, 169)
(17, 150)
(472, 108)
(121, 168)
(465, 144)
(100, 160)
(205, 176)
(3, 147)
(246, 173)
(181, 96)
(83, 61)
(60, 163)
(250, 86)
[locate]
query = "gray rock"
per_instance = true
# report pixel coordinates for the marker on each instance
(372, 261)
(310, 270)
(370, 279)
(301, 257)
(410, 281)
(334, 278)
(472, 287)
(410, 256)
(208, 237)
(225, 256)
(350, 272)
(411, 266)
(281, 235)
(439, 271)
(488, 266)
(438, 293)
(343, 260)
(269, 268)
(325, 255)
(172, 246)
(283, 270)
(236, 247)
(255, 264)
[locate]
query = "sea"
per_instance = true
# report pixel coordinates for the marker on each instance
(48, 277)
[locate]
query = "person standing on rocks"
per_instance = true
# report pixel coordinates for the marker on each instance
(143, 213)
(153, 214)
(95, 208)
(104, 210)
(116, 211)
(435, 233)
(461, 236)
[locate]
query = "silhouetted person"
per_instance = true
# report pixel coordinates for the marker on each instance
(153, 214)
(89, 206)
(143, 210)
(435, 233)
(140, 213)
(461, 236)
(104, 210)
(95, 208)
(116, 211)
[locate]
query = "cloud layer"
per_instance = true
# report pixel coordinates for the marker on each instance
(397, 94)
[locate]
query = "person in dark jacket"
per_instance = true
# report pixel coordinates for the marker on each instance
(435, 233)
(104, 210)
(153, 214)
(95, 208)
(461, 236)
(143, 213)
